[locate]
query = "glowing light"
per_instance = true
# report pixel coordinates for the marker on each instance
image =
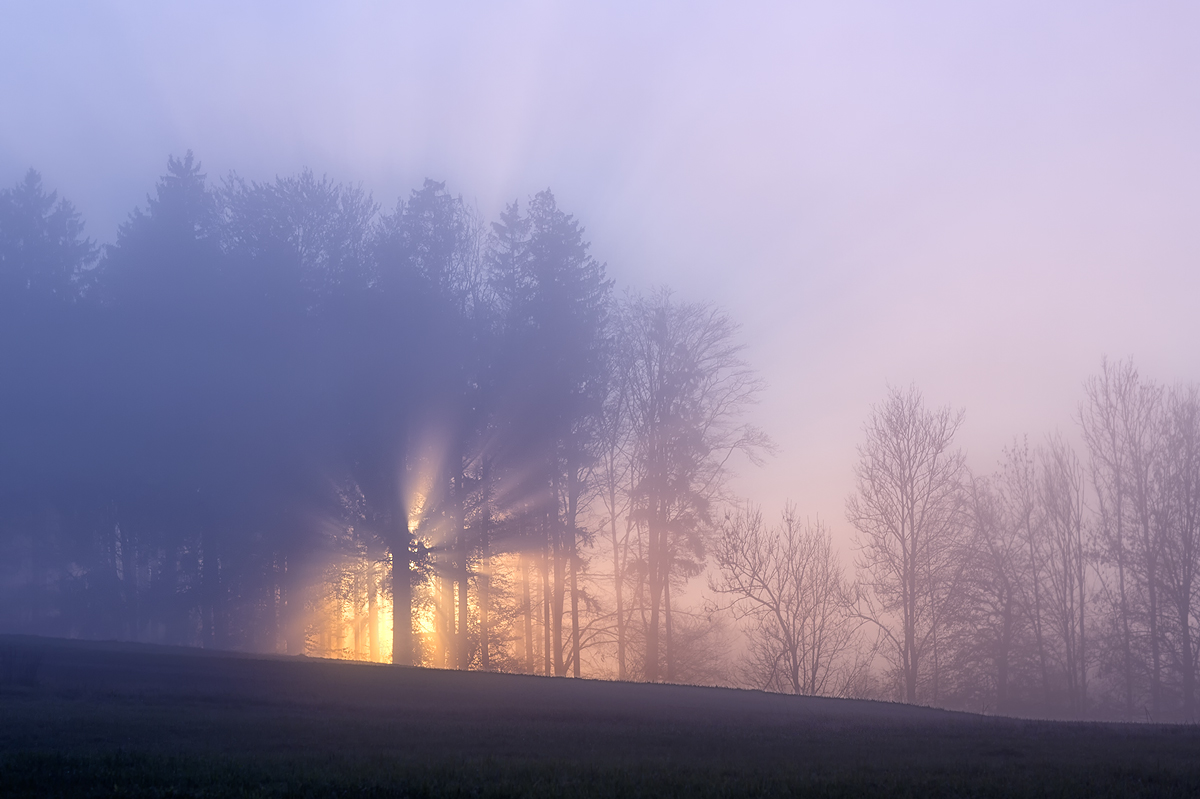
(426, 621)
(351, 613)
(416, 509)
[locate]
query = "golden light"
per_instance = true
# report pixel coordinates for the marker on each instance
(425, 621)
(350, 616)
(416, 509)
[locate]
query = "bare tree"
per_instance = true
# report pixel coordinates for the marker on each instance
(1060, 490)
(615, 475)
(687, 387)
(787, 583)
(1021, 504)
(906, 511)
(996, 571)
(1100, 418)
(1120, 428)
(1178, 518)
(1139, 416)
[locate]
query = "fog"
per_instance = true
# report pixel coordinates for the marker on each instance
(982, 201)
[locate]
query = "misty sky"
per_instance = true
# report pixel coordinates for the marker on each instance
(981, 198)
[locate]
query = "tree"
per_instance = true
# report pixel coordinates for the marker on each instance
(1178, 517)
(687, 388)
(1060, 492)
(616, 476)
(994, 580)
(297, 302)
(165, 392)
(1120, 428)
(1019, 487)
(1100, 419)
(43, 254)
(299, 239)
(420, 367)
(46, 349)
(554, 301)
(787, 583)
(906, 510)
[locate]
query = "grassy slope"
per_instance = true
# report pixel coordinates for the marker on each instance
(124, 719)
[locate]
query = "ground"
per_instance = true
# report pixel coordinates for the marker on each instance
(112, 719)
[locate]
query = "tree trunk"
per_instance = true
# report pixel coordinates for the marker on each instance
(372, 609)
(446, 649)
(576, 668)
(574, 486)
(668, 639)
(1187, 682)
(654, 568)
(1036, 615)
(293, 602)
(910, 635)
(359, 623)
(527, 609)
(1081, 568)
(1153, 613)
(1002, 657)
(546, 625)
(618, 579)
(559, 596)
(1126, 644)
(485, 575)
(462, 553)
(402, 635)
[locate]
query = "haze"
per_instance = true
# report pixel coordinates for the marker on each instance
(981, 200)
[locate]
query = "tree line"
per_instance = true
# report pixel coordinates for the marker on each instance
(276, 416)
(1066, 583)
(279, 417)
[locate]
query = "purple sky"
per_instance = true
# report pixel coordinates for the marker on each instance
(982, 198)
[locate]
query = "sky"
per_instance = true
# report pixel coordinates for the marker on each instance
(981, 199)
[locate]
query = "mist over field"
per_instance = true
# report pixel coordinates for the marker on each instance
(843, 351)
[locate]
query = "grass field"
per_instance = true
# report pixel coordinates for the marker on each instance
(106, 719)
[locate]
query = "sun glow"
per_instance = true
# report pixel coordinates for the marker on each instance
(416, 509)
(346, 623)
(351, 612)
(425, 622)
(350, 607)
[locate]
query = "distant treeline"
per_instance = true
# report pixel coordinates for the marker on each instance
(276, 417)
(1064, 583)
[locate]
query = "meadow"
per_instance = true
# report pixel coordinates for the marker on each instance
(116, 719)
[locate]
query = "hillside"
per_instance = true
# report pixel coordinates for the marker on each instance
(103, 718)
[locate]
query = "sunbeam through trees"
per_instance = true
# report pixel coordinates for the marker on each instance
(280, 417)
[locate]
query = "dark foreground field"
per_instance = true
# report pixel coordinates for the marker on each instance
(106, 719)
